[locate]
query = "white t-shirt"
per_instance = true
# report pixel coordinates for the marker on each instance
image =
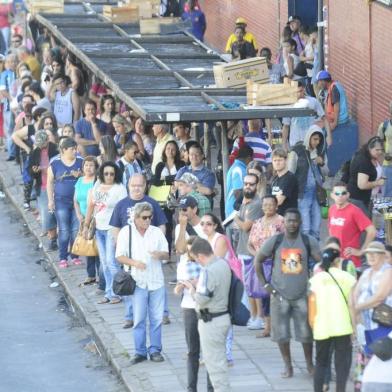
(104, 203)
(187, 300)
(153, 240)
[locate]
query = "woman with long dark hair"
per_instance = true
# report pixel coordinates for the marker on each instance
(107, 110)
(165, 173)
(366, 176)
(103, 197)
(108, 150)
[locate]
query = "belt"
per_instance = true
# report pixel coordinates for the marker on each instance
(212, 315)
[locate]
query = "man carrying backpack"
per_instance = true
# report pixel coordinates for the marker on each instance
(385, 133)
(290, 253)
(212, 305)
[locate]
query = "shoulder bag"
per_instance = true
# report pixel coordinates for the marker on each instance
(321, 193)
(123, 282)
(83, 246)
(382, 314)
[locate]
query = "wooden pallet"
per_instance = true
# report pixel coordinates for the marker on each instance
(236, 73)
(153, 25)
(45, 6)
(126, 14)
(155, 4)
(272, 94)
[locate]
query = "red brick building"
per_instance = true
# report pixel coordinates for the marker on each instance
(358, 44)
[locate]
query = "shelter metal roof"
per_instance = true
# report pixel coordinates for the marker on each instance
(163, 78)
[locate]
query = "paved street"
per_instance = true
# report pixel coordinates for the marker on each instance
(42, 343)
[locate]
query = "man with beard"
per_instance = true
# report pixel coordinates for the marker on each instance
(250, 211)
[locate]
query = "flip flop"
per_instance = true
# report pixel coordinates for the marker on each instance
(115, 301)
(104, 301)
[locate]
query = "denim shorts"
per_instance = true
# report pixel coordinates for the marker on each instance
(282, 311)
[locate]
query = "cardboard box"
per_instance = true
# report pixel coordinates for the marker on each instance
(236, 73)
(153, 25)
(272, 94)
(46, 6)
(145, 8)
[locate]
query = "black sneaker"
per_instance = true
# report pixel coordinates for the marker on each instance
(9, 159)
(156, 357)
(53, 245)
(137, 359)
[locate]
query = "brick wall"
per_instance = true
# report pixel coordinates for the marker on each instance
(266, 19)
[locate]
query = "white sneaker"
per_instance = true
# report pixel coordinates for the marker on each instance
(250, 321)
(256, 324)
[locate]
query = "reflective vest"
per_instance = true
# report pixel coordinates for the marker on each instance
(343, 112)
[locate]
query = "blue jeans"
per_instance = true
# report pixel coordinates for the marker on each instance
(5, 31)
(151, 302)
(48, 220)
(8, 124)
(92, 266)
(127, 299)
(108, 260)
(387, 191)
(310, 213)
(68, 226)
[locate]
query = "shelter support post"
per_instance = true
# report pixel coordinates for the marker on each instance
(225, 154)
(207, 145)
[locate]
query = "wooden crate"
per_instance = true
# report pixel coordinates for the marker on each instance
(145, 8)
(155, 4)
(46, 6)
(236, 73)
(272, 94)
(126, 14)
(153, 25)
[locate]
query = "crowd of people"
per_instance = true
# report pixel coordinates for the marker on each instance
(148, 196)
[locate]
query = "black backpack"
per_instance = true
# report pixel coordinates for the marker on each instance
(239, 313)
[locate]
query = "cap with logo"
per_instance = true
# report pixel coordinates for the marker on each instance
(187, 201)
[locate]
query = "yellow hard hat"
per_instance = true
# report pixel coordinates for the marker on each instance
(240, 21)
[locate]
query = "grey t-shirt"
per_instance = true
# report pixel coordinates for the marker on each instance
(290, 272)
(248, 212)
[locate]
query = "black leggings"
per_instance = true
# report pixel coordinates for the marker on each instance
(343, 357)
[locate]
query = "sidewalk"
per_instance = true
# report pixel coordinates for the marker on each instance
(257, 363)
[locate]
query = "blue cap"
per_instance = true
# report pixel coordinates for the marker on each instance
(323, 75)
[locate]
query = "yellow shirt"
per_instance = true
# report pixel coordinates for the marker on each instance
(247, 37)
(34, 66)
(332, 314)
(158, 150)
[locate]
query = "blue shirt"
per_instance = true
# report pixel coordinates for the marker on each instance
(85, 130)
(123, 212)
(235, 180)
(81, 194)
(198, 20)
(205, 176)
(65, 178)
(7, 79)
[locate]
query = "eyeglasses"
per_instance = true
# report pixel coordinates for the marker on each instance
(249, 183)
(206, 223)
(108, 174)
(145, 217)
(344, 193)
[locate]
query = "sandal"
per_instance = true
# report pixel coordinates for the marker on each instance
(114, 301)
(104, 301)
(88, 281)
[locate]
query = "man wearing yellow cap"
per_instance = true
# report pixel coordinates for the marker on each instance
(249, 37)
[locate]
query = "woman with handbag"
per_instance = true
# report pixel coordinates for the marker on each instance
(329, 318)
(305, 162)
(162, 181)
(372, 303)
(102, 199)
(82, 188)
(270, 224)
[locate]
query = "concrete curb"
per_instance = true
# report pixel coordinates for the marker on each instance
(110, 348)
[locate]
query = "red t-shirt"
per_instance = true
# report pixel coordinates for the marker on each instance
(347, 224)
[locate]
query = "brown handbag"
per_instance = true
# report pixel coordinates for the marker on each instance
(85, 247)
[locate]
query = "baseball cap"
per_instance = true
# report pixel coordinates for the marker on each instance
(323, 75)
(329, 255)
(119, 119)
(187, 201)
(292, 18)
(189, 179)
(240, 20)
(375, 247)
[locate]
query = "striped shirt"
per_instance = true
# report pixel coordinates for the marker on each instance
(261, 149)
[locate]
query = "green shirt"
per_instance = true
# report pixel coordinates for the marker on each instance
(203, 204)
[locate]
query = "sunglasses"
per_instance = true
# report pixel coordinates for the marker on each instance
(344, 193)
(108, 174)
(145, 217)
(206, 223)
